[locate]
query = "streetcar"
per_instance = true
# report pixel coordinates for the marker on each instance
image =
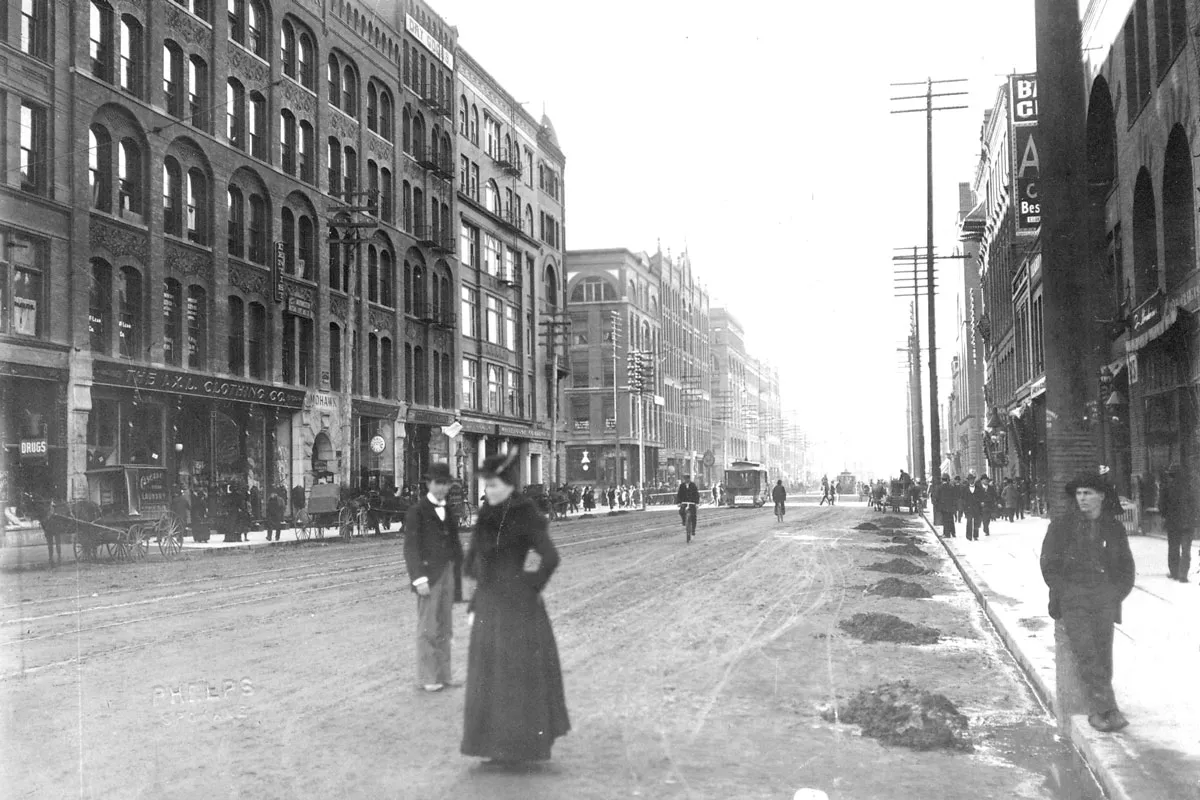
(746, 485)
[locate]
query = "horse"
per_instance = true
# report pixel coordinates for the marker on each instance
(53, 529)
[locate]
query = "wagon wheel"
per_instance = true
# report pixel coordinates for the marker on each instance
(301, 525)
(84, 549)
(346, 521)
(115, 550)
(138, 542)
(170, 535)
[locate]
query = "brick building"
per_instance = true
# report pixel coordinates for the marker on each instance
(966, 404)
(614, 308)
(687, 410)
(511, 230)
(256, 203)
(1143, 111)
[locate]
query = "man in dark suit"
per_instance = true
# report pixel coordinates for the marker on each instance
(972, 506)
(688, 493)
(433, 554)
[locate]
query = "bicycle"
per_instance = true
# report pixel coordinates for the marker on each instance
(689, 518)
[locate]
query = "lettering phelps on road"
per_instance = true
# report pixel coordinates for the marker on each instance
(197, 701)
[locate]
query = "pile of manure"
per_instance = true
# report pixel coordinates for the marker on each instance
(901, 714)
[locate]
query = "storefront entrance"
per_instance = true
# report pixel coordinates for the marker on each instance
(33, 458)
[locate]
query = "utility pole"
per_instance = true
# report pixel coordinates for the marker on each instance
(556, 327)
(1071, 329)
(635, 370)
(935, 427)
(615, 334)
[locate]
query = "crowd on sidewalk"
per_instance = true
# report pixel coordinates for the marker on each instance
(976, 502)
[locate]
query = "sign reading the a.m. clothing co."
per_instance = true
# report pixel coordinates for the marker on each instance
(173, 382)
(1023, 102)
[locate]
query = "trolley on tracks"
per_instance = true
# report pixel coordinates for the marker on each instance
(126, 509)
(746, 485)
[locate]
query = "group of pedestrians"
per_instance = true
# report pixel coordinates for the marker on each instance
(975, 503)
(829, 491)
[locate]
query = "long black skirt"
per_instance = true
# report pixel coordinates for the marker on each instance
(515, 705)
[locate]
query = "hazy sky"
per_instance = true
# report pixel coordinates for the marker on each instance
(763, 142)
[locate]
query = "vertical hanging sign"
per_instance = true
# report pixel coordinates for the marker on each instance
(1023, 100)
(277, 274)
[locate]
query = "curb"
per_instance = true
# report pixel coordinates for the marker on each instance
(1077, 727)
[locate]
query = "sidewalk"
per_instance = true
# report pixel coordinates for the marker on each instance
(1156, 657)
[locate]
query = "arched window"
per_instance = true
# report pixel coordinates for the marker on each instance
(130, 303)
(130, 177)
(387, 279)
(1145, 238)
(132, 55)
(198, 92)
(491, 197)
(335, 166)
(372, 274)
(257, 233)
(388, 202)
(257, 125)
(474, 126)
(287, 141)
(307, 158)
(256, 22)
(386, 118)
(1179, 216)
(420, 296)
(418, 136)
(237, 222)
(197, 207)
(287, 222)
(287, 48)
(372, 188)
(551, 287)
(305, 60)
(101, 36)
(172, 322)
(173, 79)
(257, 344)
(593, 290)
(372, 107)
(197, 327)
(100, 307)
(350, 166)
(406, 215)
(528, 228)
(373, 365)
(405, 131)
(350, 91)
(306, 248)
(335, 357)
(100, 167)
(447, 382)
(335, 259)
(420, 376)
(237, 336)
(172, 197)
(418, 210)
(408, 373)
(334, 74)
(235, 114)
(462, 116)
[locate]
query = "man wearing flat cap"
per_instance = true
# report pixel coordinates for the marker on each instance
(433, 554)
(1089, 568)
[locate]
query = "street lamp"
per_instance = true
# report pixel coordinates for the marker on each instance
(995, 440)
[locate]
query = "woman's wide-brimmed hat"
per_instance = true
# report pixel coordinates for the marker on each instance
(502, 466)
(1090, 480)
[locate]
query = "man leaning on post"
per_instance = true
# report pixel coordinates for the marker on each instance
(433, 553)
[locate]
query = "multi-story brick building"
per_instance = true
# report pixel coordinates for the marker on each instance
(511, 231)
(687, 409)
(243, 220)
(606, 287)
(731, 378)
(968, 413)
(1142, 114)
(1005, 227)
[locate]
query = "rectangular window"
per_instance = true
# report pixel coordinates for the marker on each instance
(306, 149)
(494, 334)
(470, 383)
(464, 173)
(258, 340)
(33, 155)
(237, 336)
(288, 349)
(101, 35)
(474, 192)
(470, 313)
(495, 389)
(513, 394)
(197, 328)
(131, 56)
(304, 360)
(33, 27)
(335, 357)
(510, 327)
(22, 307)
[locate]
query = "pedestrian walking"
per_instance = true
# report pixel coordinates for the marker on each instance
(432, 552)
(275, 509)
(1022, 497)
(515, 704)
(946, 504)
(972, 506)
(1011, 496)
(987, 504)
(611, 497)
(1089, 568)
(779, 496)
(958, 493)
(1178, 508)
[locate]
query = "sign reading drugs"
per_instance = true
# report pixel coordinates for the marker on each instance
(1023, 101)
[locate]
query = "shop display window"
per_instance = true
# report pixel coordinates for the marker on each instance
(22, 307)
(124, 432)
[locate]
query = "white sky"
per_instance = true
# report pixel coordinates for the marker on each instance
(763, 141)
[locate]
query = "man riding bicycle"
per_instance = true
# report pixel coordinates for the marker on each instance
(779, 496)
(688, 492)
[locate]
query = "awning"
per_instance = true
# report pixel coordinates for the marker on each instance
(1155, 316)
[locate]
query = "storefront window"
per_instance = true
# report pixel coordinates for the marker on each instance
(376, 454)
(141, 433)
(103, 422)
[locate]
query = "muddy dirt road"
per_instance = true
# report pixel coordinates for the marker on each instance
(692, 671)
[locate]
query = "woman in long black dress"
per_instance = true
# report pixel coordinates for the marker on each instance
(515, 707)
